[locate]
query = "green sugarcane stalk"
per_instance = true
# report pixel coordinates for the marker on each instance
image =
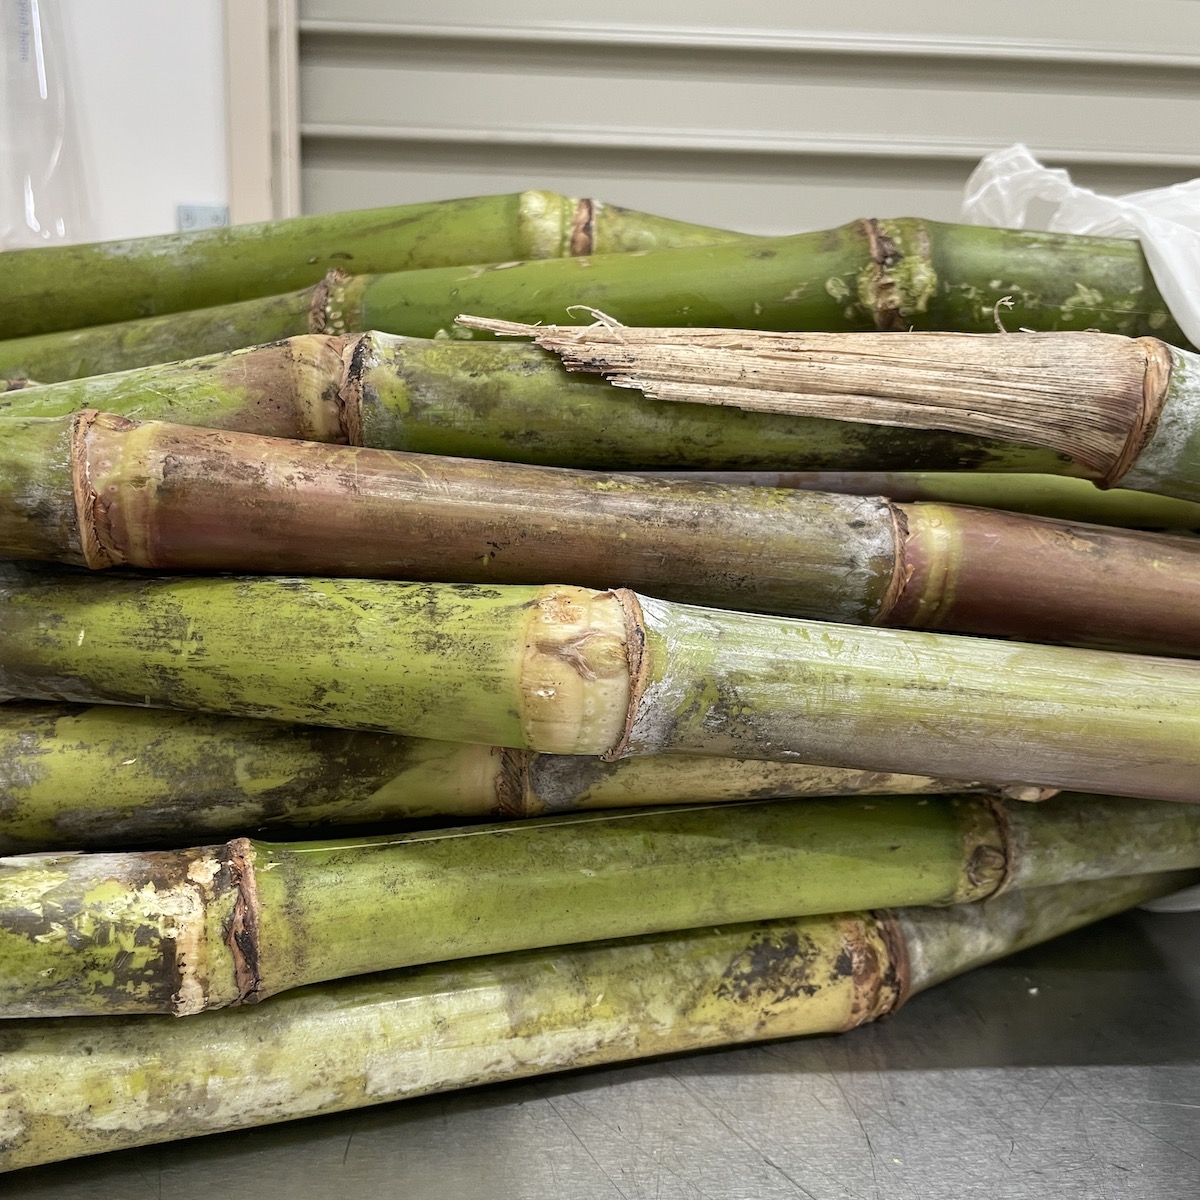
(1036, 495)
(74, 777)
(566, 670)
(870, 274)
(492, 400)
(100, 490)
(188, 930)
(77, 1087)
(1124, 411)
(66, 287)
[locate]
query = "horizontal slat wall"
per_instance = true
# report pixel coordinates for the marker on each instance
(768, 117)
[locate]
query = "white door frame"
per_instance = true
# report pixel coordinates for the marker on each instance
(262, 118)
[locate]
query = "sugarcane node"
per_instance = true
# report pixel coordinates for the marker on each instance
(574, 674)
(635, 652)
(988, 861)
(330, 424)
(1156, 383)
(868, 957)
(242, 934)
(349, 397)
(326, 301)
(881, 291)
(583, 228)
(902, 569)
(988, 850)
(514, 796)
(91, 512)
(898, 976)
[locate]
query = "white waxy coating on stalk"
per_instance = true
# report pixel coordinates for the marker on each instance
(944, 942)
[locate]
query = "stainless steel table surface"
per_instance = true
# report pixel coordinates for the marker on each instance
(1071, 1071)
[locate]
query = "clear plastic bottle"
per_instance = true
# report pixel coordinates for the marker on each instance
(42, 195)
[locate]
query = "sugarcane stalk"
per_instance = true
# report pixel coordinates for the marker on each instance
(1036, 495)
(492, 400)
(66, 287)
(103, 776)
(1125, 411)
(100, 490)
(566, 670)
(187, 930)
(77, 1087)
(283, 389)
(870, 274)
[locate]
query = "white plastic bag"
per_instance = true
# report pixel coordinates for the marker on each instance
(42, 196)
(1166, 220)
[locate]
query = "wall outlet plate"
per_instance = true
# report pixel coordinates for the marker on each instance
(202, 216)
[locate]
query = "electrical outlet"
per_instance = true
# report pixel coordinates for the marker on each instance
(202, 216)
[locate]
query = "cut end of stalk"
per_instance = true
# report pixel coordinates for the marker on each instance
(575, 684)
(1094, 397)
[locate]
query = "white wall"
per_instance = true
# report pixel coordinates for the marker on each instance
(149, 99)
(768, 116)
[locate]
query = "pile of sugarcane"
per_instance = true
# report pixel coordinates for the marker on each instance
(602, 692)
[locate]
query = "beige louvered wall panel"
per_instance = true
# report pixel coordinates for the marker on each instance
(767, 117)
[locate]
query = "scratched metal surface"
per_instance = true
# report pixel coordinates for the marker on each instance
(1086, 1089)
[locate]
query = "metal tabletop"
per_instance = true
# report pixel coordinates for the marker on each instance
(1069, 1071)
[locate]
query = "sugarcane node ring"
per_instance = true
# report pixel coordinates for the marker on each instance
(1156, 385)
(879, 285)
(896, 984)
(583, 228)
(325, 314)
(243, 935)
(997, 861)
(902, 569)
(577, 682)
(96, 544)
(635, 655)
(358, 358)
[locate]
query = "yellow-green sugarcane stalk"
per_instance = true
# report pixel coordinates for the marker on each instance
(569, 670)
(100, 490)
(187, 930)
(870, 274)
(66, 287)
(1036, 495)
(88, 777)
(74, 1087)
(496, 400)
(1124, 411)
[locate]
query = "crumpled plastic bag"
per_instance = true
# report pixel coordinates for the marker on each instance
(1166, 220)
